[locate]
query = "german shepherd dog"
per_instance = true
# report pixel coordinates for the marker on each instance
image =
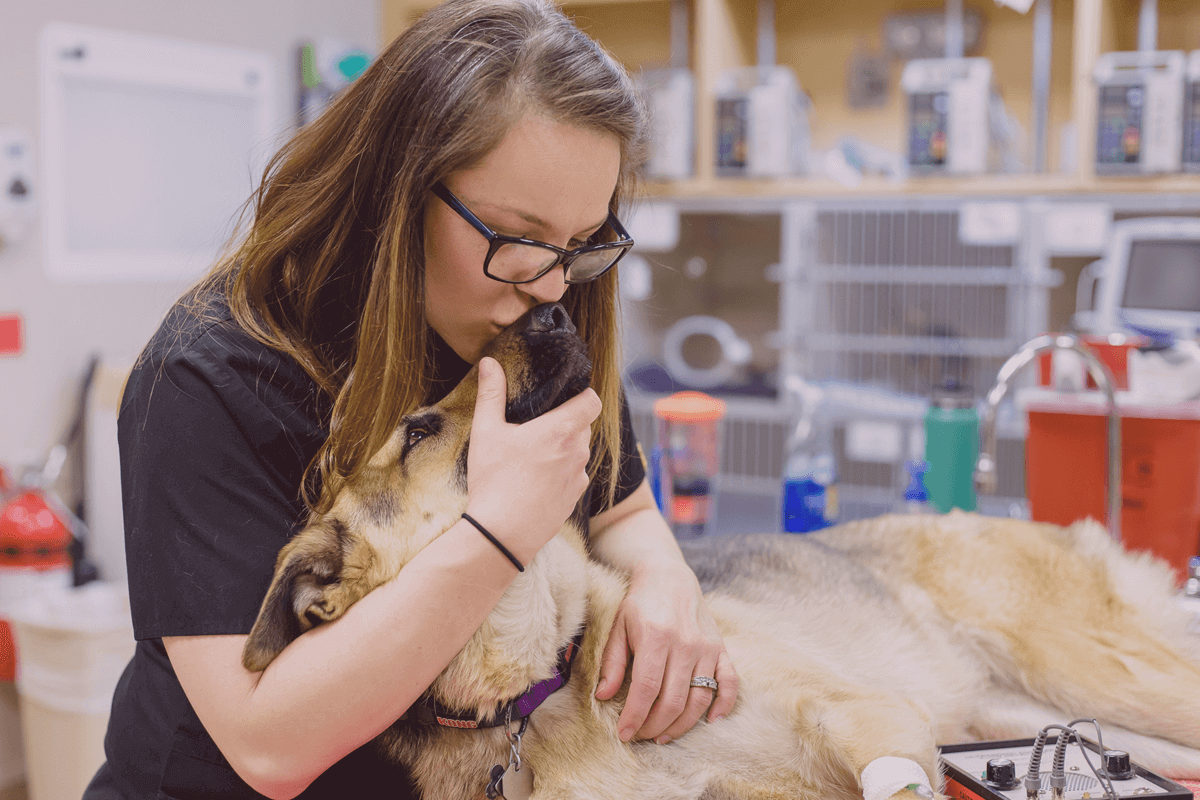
(872, 639)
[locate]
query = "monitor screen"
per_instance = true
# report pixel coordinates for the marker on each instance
(1163, 274)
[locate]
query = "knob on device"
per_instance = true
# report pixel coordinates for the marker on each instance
(1117, 765)
(1001, 773)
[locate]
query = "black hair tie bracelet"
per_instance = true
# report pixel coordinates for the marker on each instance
(495, 541)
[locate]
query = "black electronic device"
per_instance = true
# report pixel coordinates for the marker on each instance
(996, 771)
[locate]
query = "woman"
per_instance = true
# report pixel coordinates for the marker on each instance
(367, 284)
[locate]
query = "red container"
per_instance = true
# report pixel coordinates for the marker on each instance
(1112, 350)
(1066, 468)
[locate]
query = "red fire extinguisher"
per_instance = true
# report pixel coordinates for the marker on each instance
(34, 553)
(41, 540)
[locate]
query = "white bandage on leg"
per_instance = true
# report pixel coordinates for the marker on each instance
(885, 776)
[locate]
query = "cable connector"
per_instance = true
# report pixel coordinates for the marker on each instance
(1033, 778)
(1058, 770)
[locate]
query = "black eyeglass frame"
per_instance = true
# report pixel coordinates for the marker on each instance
(565, 257)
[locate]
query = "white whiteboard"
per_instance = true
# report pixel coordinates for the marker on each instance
(150, 147)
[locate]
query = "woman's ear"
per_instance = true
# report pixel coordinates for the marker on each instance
(307, 590)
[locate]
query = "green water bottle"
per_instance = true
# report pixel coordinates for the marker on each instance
(951, 449)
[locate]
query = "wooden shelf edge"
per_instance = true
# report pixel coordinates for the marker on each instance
(421, 6)
(983, 185)
(568, 4)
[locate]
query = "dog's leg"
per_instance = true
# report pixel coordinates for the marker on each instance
(838, 729)
(1120, 676)
(1001, 714)
(869, 733)
(1008, 715)
(802, 725)
(1065, 616)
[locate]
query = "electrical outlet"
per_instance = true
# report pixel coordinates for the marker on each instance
(16, 185)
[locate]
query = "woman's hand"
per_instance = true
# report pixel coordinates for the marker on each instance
(523, 481)
(666, 627)
(663, 624)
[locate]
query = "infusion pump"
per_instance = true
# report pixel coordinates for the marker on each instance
(1191, 114)
(948, 112)
(1139, 126)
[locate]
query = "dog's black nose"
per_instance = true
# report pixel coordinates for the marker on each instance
(548, 318)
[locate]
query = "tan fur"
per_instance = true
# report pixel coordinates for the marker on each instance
(877, 638)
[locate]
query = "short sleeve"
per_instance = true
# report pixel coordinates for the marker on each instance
(631, 469)
(214, 438)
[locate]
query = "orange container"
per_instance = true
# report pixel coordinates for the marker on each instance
(689, 441)
(1065, 469)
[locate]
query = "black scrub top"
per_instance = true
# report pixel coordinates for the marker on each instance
(215, 431)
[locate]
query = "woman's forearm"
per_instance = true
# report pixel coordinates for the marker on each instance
(339, 685)
(633, 535)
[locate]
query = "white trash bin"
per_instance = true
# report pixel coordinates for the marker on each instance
(72, 646)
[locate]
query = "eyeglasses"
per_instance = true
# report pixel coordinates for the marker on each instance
(511, 259)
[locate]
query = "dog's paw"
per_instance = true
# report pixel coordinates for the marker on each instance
(916, 792)
(895, 778)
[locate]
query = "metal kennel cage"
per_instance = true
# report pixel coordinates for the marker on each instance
(885, 295)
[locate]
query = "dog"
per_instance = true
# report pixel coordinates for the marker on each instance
(873, 639)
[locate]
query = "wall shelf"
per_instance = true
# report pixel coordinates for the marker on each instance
(816, 39)
(982, 186)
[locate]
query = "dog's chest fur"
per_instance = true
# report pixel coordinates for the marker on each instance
(454, 763)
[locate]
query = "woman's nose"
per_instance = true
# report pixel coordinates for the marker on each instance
(549, 288)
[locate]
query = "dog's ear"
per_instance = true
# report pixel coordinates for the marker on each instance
(309, 589)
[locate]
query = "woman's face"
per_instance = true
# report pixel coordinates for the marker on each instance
(546, 181)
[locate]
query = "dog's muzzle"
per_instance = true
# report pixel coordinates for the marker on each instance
(557, 366)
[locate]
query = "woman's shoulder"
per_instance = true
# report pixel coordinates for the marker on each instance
(200, 345)
(200, 333)
(201, 324)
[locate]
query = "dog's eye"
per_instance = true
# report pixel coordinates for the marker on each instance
(417, 428)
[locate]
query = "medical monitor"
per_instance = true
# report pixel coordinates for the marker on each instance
(1151, 276)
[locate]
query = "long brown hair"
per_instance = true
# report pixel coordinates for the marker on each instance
(331, 268)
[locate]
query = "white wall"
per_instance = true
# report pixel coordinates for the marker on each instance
(64, 323)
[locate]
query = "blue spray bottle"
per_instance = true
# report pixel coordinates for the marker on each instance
(810, 500)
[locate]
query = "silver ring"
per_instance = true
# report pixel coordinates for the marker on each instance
(706, 683)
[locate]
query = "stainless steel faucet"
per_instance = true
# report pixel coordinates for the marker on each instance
(985, 468)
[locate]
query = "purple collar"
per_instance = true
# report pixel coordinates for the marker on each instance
(517, 709)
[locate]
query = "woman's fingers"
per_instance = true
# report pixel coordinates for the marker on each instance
(649, 664)
(696, 700)
(727, 687)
